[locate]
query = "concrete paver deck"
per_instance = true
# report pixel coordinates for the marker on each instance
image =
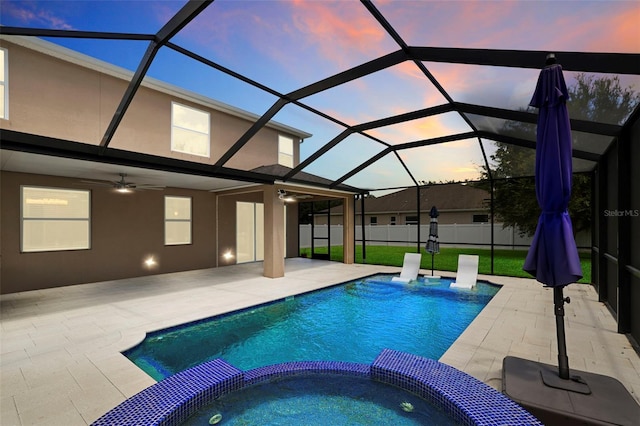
(60, 360)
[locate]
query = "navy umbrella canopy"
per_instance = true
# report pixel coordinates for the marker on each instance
(553, 256)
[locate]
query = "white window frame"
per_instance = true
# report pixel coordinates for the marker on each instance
(175, 126)
(5, 83)
(168, 221)
(285, 155)
(25, 220)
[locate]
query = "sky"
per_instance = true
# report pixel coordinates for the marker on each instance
(289, 44)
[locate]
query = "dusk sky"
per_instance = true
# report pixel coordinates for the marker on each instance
(287, 45)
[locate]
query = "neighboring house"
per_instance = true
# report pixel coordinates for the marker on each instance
(58, 229)
(459, 203)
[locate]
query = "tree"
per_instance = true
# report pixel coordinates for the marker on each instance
(601, 99)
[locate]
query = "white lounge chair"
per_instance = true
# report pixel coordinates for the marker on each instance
(410, 268)
(467, 274)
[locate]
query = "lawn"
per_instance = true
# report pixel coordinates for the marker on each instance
(506, 262)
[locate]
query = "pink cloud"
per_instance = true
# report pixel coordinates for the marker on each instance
(623, 32)
(339, 31)
(32, 14)
(581, 26)
(414, 130)
(306, 41)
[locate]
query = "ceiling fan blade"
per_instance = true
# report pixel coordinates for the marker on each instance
(145, 186)
(97, 182)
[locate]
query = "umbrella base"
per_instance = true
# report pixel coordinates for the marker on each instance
(608, 402)
(574, 384)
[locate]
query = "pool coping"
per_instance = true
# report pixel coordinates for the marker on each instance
(463, 397)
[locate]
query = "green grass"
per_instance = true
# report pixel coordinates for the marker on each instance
(506, 262)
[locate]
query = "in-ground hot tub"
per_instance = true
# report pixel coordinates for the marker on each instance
(464, 399)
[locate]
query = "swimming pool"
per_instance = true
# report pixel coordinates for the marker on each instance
(350, 322)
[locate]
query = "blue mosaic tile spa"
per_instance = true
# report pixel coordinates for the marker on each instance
(462, 398)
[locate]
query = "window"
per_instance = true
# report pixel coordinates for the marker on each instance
(285, 151)
(373, 220)
(54, 219)
(480, 218)
(4, 91)
(190, 130)
(177, 220)
(411, 220)
(392, 221)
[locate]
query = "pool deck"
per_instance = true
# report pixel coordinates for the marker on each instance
(60, 361)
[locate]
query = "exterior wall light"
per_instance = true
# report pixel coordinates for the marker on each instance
(282, 194)
(150, 262)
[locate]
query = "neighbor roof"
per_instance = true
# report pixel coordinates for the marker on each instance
(445, 197)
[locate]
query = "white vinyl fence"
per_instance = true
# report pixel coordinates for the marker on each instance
(476, 234)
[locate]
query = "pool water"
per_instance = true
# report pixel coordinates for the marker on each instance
(321, 400)
(349, 322)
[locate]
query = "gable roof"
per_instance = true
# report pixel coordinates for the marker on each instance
(446, 197)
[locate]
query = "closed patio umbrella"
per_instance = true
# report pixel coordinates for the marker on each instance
(553, 256)
(553, 396)
(433, 246)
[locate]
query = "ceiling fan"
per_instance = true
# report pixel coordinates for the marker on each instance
(122, 185)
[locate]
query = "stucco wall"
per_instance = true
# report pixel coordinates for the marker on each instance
(125, 230)
(52, 98)
(59, 99)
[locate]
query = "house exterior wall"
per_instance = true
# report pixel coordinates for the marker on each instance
(77, 103)
(62, 96)
(125, 230)
(50, 97)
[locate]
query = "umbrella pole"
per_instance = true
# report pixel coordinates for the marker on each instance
(563, 360)
(432, 253)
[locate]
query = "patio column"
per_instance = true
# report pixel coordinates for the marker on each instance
(348, 230)
(273, 234)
